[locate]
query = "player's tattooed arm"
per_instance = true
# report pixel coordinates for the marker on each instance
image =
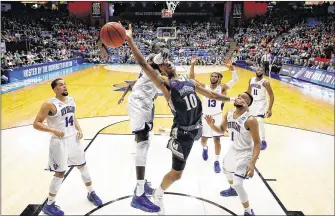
(149, 71)
(192, 74)
(219, 129)
(268, 88)
(47, 109)
(126, 91)
(252, 125)
(211, 94)
(249, 87)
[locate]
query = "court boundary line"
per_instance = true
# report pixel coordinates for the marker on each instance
(40, 206)
(170, 116)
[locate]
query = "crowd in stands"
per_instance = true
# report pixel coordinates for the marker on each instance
(289, 40)
(52, 36)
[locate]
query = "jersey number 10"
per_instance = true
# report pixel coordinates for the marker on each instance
(191, 101)
(69, 120)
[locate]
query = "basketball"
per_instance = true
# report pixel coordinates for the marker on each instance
(113, 34)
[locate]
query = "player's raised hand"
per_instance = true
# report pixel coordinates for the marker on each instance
(250, 170)
(209, 120)
(194, 59)
(58, 133)
(129, 32)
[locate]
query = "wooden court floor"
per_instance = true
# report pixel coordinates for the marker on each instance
(94, 93)
(302, 161)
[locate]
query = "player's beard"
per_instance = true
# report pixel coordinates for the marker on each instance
(238, 106)
(214, 83)
(65, 94)
(259, 76)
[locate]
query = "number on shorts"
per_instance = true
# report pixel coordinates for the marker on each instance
(232, 136)
(255, 91)
(191, 101)
(69, 120)
(211, 103)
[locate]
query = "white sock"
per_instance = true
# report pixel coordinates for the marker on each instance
(51, 199)
(217, 157)
(140, 187)
(159, 192)
(89, 188)
(248, 210)
(205, 147)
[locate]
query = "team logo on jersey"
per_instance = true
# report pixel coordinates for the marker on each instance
(123, 86)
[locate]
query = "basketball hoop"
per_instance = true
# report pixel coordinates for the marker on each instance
(167, 13)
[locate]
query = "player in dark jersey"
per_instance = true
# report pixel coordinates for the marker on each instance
(180, 92)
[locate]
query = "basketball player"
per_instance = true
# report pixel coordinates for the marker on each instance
(243, 153)
(258, 86)
(65, 148)
(141, 114)
(155, 48)
(180, 92)
(213, 108)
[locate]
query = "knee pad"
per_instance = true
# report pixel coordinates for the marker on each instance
(55, 184)
(142, 136)
(85, 174)
(238, 186)
(141, 153)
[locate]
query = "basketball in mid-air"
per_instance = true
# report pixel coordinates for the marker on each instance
(113, 34)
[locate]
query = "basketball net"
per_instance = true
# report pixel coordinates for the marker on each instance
(172, 5)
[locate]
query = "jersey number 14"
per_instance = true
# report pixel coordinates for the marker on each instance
(68, 121)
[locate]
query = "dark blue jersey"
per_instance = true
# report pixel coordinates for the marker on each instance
(185, 103)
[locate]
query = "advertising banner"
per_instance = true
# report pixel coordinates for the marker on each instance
(34, 70)
(316, 76)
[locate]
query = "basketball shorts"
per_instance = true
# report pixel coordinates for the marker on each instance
(141, 113)
(207, 130)
(180, 144)
(236, 161)
(64, 153)
(258, 108)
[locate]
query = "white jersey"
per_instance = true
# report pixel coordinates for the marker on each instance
(210, 106)
(258, 91)
(144, 87)
(64, 118)
(239, 135)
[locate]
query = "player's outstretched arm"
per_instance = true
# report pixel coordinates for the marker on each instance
(218, 129)
(249, 87)
(234, 79)
(252, 125)
(149, 71)
(192, 74)
(126, 91)
(41, 116)
(272, 98)
(211, 94)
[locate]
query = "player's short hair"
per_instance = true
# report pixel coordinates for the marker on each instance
(251, 98)
(54, 83)
(219, 74)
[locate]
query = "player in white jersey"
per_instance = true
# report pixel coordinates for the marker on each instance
(65, 148)
(258, 87)
(244, 150)
(141, 114)
(214, 108)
